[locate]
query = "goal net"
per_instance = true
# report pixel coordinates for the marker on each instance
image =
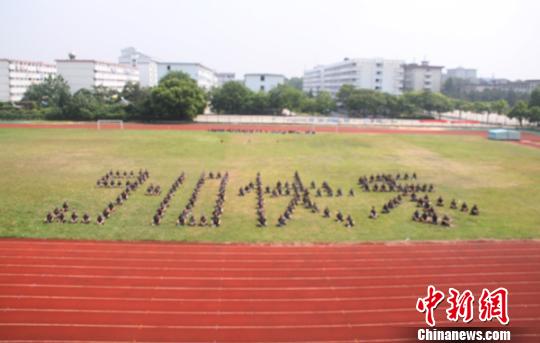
(110, 124)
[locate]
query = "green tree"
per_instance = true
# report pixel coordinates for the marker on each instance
(284, 96)
(53, 92)
(106, 95)
(232, 97)
(138, 100)
(83, 106)
(344, 94)
(520, 111)
(534, 114)
(365, 102)
(499, 106)
(257, 103)
(535, 98)
(324, 103)
(296, 82)
(177, 97)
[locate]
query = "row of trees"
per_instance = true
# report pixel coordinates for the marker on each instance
(176, 97)
(527, 110)
(235, 98)
(361, 102)
(462, 89)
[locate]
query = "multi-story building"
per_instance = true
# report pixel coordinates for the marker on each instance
(376, 74)
(205, 77)
(16, 76)
(90, 73)
(147, 66)
(461, 73)
(224, 78)
(263, 82)
(422, 77)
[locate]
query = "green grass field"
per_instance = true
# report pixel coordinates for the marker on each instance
(40, 168)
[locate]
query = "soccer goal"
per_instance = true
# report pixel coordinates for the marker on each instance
(110, 124)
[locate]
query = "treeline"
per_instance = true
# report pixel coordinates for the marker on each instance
(235, 98)
(462, 89)
(176, 97)
(362, 102)
(529, 110)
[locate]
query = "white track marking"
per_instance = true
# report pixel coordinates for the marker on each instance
(265, 253)
(318, 261)
(235, 327)
(267, 278)
(152, 299)
(319, 269)
(329, 288)
(221, 312)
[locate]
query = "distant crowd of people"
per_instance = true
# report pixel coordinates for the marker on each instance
(252, 131)
(187, 217)
(405, 185)
(164, 204)
(110, 179)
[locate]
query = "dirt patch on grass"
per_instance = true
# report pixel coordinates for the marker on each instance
(450, 172)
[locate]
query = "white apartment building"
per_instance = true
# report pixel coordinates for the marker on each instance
(206, 78)
(263, 82)
(147, 66)
(423, 77)
(90, 73)
(16, 76)
(376, 74)
(224, 78)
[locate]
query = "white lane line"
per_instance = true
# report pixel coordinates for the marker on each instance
(329, 288)
(480, 265)
(189, 253)
(315, 261)
(267, 278)
(296, 299)
(221, 312)
(235, 327)
(218, 312)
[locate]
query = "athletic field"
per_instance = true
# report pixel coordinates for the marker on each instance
(43, 167)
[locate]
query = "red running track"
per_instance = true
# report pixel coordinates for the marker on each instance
(161, 292)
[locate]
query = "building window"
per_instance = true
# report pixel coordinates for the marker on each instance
(262, 77)
(168, 67)
(262, 88)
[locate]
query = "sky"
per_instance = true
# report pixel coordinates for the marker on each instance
(498, 38)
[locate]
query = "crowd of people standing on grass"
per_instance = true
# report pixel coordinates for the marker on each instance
(274, 131)
(403, 184)
(165, 203)
(187, 217)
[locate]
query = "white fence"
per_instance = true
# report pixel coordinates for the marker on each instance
(311, 120)
(485, 118)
